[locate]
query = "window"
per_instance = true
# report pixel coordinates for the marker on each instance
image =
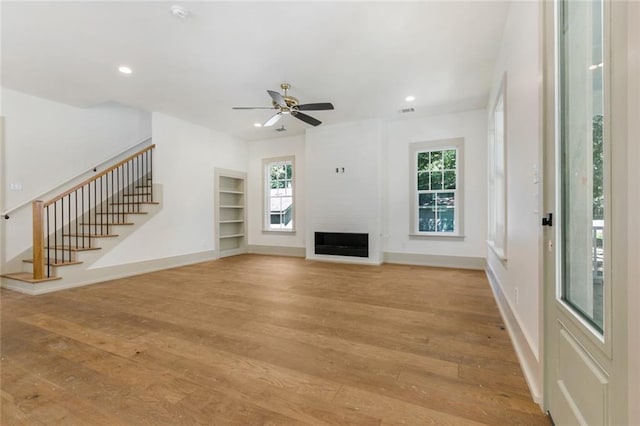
(497, 175)
(279, 194)
(436, 176)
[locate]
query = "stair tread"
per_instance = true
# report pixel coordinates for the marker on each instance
(134, 202)
(106, 223)
(92, 235)
(72, 248)
(56, 262)
(118, 213)
(28, 277)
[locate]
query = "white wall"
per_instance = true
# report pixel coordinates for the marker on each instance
(470, 125)
(349, 201)
(47, 143)
(270, 148)
(184, 162)
(520, 58)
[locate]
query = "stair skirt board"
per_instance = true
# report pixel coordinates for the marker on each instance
(101, 275)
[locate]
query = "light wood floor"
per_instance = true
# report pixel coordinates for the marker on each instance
(264, 340)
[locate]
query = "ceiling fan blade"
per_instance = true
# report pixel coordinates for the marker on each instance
(252, 108)
(316, 107)
(273, 120)
(277, 98)
(307, 118)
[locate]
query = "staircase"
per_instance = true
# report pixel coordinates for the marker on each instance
(71, 227)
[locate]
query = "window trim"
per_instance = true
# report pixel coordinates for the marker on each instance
(437, 145)
(266, 214)
(496, 244)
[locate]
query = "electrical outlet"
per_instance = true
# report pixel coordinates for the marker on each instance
(16, 186)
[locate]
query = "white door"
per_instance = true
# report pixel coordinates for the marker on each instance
(585, 186)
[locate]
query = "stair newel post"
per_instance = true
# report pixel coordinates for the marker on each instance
(38, 239)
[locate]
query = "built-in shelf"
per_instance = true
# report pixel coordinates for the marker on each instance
(232, 236)
(231, 214)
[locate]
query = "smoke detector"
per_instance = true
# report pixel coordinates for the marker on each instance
(180, 12)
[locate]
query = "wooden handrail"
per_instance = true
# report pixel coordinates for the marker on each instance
(99, 175)
(70, 179)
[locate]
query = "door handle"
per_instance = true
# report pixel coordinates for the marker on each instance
(547, 220)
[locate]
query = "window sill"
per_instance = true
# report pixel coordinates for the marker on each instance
(279, 232)
(436, 236)
(498, 252)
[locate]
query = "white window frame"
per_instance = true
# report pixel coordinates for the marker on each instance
(497, 173)
(437, 145)
(266, 199)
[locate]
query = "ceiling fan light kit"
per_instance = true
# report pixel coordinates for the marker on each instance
(284, 104)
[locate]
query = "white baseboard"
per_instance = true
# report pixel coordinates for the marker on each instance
(278, 250)
(353, 260)
(108, 273)
(462, 262)
(526, 356)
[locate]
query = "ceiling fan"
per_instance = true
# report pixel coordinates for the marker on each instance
(288, 105)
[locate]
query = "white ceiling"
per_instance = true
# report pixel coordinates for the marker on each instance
(364, 57)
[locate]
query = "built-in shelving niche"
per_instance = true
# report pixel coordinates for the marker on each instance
(231, 217)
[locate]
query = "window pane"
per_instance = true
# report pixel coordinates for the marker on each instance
(289, 171)
(450, 159)
(437, 162)
(449, 180)
(581, 144)
(446, 211)
(423, 181)
(426, 219)
(446, 199)
(436, 180)
(427, 200)
(423, 161)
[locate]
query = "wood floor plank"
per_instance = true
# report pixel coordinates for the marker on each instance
(264, 340)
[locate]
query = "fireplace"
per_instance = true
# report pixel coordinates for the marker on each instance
(342, 244)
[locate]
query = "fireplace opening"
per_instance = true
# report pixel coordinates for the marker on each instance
(342, 244)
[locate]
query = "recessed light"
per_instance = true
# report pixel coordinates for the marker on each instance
(179, 11)
(410, 98)
(257, 124)
(125, 70)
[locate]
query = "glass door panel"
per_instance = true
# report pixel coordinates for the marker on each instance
(581, 96)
